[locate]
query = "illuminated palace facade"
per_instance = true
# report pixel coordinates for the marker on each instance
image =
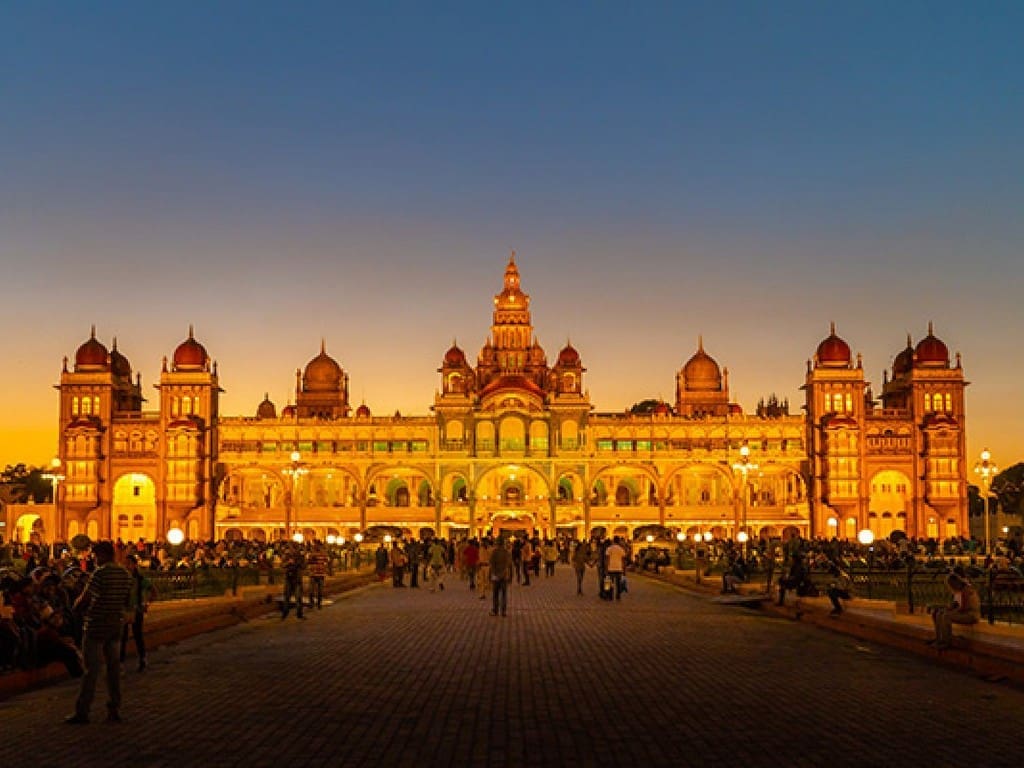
(513, 443)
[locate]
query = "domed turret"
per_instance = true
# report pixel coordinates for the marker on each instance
(455, 357)
(904, 361)
(833, 352)
(662, 409)
(322, 374)
(931, 351)
(119, 364)
(92, 355)
(568, 357)
(289, 412)
(701, 373)
(266, 409)
(363, 411)
(190, 355)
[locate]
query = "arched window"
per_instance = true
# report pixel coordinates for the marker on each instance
(74, 406)
(928, 401)
(949, 403)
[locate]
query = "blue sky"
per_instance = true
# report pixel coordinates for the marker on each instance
(275, 173)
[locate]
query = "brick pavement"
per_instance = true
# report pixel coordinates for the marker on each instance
(412, 678)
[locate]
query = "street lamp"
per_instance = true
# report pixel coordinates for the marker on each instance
(294, 472)
(987, 470)
(744, 467)
(56, 477)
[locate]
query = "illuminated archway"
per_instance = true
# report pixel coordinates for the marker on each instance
(28, 528)
(133, 512)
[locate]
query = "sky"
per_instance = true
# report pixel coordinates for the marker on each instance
(280, 173)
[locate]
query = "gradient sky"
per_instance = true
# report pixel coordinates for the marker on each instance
(278, 173)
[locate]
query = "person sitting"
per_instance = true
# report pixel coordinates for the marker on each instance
(965, 608)
(798, 579)
(734, 573)
(841, 588)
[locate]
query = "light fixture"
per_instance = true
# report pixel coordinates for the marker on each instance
(175, 536)
(866, 537)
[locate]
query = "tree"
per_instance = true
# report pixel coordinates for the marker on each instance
(1008, 486)
(21, 482)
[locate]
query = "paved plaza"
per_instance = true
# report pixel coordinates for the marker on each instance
(402, 677)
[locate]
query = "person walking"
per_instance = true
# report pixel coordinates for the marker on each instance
(294, 565)
(550, 557)
(143, 593)
(398, 562)
(526, 556)
(412, 554)
(483, 568)
(471, 561)
(437, 557)
(104, 602)
(317, 564)
(580, 560)
(501, 573)
(615, 565)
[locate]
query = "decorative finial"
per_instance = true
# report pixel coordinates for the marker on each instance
(700, 342)
(512, 258)
(910, 341)
(930, 331)
(115, 344)
(65, 363)
(832, 327)
(92, 333)
(164, 366)
(323, 346)
(191, 332)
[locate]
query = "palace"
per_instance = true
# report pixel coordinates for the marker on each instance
(513, 442)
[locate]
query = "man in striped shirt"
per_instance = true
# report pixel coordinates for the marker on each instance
(105, 601)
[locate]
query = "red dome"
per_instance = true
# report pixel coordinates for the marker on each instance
(289, 412)
(568, 357)
(455, 357)
(190, 355)
(119, 363)
(363, 411)
(266, 409)
(931, 351)
(735, 409)
(92, 356)
(662, 409)
(833, 351)
(904, 361)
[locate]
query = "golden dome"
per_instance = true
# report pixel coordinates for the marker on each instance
(322, 374)
(701, 372)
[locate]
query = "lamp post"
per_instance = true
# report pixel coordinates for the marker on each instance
(56, 477)
(744, 467)
(294, 471)
(987, 470)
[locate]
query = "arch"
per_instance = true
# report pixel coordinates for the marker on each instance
(28, 528)
(460, 489)
(234, 534)
(850, 528)
(454, 431)
(397, 493)
(485, 435)
(889, 494)
(425, 494)
(535, 482)
(565, 489)
(538, 434)
(513, 434)
(133, 508)
(570, 432)
(626, 492)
